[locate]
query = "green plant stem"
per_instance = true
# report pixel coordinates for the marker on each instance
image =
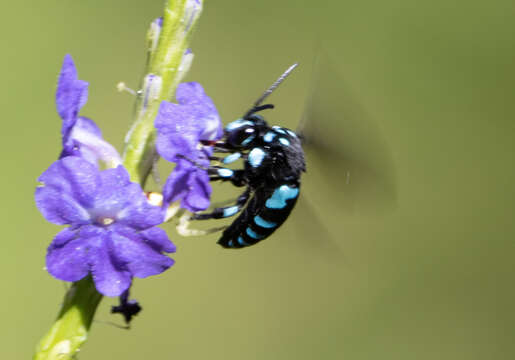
(70, 330)
(166, 67)
(178, 24)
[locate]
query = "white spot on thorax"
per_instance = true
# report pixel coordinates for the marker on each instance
(256, 156)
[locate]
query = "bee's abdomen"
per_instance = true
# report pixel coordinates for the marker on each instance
(265, 212)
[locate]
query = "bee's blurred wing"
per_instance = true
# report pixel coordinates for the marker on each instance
(346, 152)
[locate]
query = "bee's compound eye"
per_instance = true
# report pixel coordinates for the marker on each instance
(242, 136)
(248, 136)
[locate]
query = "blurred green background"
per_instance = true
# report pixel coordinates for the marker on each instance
(429, 278)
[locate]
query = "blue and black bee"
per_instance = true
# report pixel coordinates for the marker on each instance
(273, 164)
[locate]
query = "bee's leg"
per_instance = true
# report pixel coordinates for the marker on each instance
(217, 213)
(227, 211)
(236, 177)
(221, 147)
(184, 230)
(229, 158)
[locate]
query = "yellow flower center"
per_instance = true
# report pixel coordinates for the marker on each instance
(106, 221)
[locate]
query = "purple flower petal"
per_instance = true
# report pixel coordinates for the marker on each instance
(88, 126)
(74, 176)
(180, 127)
(177, 132)
(81, 136)
(190, 184)
(115, 192)
(111, 277)
(158, 239)
(85, 140)
(199, 192)
(67, 256)
(141, 259)
(60, 208)
(67, 188)
(176, 186)
(115, 178)
(141, 215)
(200, 106)
(71, 94)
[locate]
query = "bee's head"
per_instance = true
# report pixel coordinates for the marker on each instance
(243, 133)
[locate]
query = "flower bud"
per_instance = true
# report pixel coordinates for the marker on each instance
(153, 35)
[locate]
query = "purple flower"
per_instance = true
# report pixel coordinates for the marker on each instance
(190, 184)
(112, 234)
(180, 129)
(81, 136)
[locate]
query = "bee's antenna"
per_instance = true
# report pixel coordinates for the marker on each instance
(274, 86)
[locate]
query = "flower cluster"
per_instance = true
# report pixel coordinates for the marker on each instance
(112, 233)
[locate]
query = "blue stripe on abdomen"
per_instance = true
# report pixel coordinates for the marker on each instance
(263, 223)
(253, 234)
(242, 242)
(265, 213)
(280, 195)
